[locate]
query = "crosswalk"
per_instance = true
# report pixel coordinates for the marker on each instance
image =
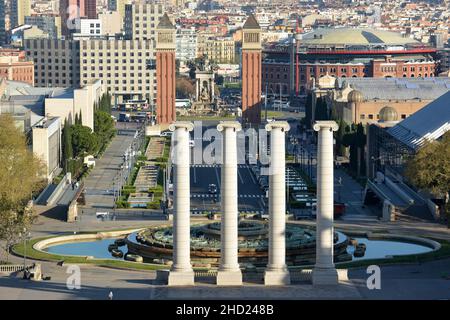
(203, 195)
(241, 166)
(202, 212)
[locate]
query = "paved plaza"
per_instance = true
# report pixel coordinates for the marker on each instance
(413, 281)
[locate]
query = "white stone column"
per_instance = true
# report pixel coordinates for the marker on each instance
(324, 272)
(229, 273)
(181, 273)
(276, 272)
(197, 89)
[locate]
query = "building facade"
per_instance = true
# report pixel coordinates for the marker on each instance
(47, 144)
(2, 23)
(91, 9)
(19, 10)
(141, 20)
(50, 25)
(369, 101)
(186, 40)
(120, 64)
(344, 52)
(57, 62)
(216, 49)
(14, 66)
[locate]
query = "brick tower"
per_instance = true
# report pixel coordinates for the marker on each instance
(251, 71)
(165, 71)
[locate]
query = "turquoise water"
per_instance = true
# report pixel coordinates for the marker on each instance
(97, 249)
(376, 249)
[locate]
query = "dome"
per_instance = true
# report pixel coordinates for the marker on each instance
(355, 36)
(388, 114)
(355, 96)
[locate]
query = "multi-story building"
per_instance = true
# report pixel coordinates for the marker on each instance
(91, 9)
(141, 20)
(50, 25)
(2, 22)
(57, 62)
(19, 10)
(111, 22)
(117, 5)
(70, 12)
(14, 66)
(121, 65)
(91, 27)
(366, 100)
(186, 41)
(47, 144)
(217, 49)
(344, 52)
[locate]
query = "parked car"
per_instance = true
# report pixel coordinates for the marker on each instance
(212, 188)
(166, 134)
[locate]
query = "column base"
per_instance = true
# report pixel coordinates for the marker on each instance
(325, 276)
(277, 278)
(180, 278)
(229, 278)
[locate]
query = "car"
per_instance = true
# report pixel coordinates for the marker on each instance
(166, 134)
(212, 188)
(89, 161)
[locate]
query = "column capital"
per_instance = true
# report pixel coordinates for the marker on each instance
(189, 126)
(283, 125)
(320, 125)
(229, 124)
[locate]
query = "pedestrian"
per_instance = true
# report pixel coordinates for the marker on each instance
(110, 295)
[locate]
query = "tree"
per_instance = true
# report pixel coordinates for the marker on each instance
(429, 169)
(103, 126)
(356, 140)
(321, 110)
(184, 88)
(339, 136)
(21, 174)
(67, 146)
(83, 140)
(219, 79)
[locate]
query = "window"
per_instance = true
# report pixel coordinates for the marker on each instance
(362, 116)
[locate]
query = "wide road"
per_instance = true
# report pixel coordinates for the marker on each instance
(250, 196)
(99, 184)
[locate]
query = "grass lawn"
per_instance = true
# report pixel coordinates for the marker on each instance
(271, 114)
(38, 255)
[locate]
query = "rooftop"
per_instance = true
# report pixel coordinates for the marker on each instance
(355, 36)
(429, 123)
(398, 88)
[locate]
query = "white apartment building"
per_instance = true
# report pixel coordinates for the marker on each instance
(186, 41)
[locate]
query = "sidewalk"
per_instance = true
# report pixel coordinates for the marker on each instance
(351, 193)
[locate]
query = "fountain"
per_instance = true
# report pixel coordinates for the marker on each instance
(155, 244)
